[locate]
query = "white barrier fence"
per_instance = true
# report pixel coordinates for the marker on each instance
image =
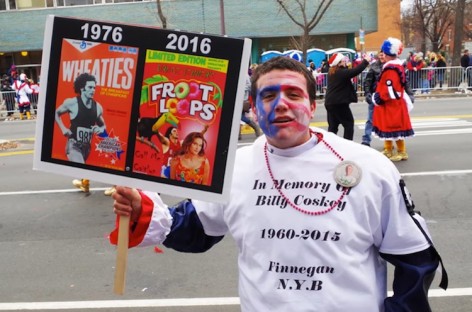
(425, 81)
(9, 104)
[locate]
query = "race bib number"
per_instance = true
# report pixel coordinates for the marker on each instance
(84, 135)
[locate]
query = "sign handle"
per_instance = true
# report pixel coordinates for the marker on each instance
(121, 255)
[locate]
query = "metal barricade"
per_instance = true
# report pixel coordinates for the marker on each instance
(433, 79)
(322, 83)
(467, 79)
(8, 103)
(425, 81)
(33, 97)
(429, 80)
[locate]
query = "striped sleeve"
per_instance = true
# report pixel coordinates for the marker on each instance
(152, 226)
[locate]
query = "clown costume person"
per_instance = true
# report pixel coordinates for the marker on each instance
(23, 89)
(391, 119)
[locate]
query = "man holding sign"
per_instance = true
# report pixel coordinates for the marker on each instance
(308, 240)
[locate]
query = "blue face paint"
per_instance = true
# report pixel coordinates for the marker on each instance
(265, 118)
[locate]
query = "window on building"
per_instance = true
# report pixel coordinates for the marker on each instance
(7, 5)
(30, 4)
(61, 3)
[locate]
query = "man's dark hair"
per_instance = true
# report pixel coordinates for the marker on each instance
(284, 63)
(169, 131)
(81, 81)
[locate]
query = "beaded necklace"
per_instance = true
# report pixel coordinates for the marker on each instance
(319, 136)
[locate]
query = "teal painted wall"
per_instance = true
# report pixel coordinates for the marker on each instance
(350, 41)
(24, 29)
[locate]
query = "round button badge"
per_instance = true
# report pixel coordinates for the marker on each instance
(347, 174)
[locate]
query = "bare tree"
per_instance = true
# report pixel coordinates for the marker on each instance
(468, 20)
(434, 17)
(409, 28)
(297, 12)
(161, 15)
(458, 32)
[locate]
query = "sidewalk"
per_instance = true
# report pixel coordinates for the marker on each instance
(445, 93)
(4, 117)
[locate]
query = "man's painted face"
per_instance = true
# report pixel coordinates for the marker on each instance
(283, 108)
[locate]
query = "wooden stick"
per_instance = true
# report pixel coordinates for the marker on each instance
(121, 255)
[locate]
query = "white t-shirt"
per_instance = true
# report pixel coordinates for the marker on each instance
(291, 261)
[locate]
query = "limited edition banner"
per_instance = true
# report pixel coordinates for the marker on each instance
(138, 106)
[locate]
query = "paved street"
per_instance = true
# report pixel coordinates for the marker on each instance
(54, 252)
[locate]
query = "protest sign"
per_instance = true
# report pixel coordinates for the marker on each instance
(118, 103)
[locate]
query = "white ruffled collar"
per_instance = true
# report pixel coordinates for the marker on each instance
(393, 62)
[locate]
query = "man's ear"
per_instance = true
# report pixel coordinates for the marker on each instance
(254, 110)
(313, 108)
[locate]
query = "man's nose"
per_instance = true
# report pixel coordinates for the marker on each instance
(282, 103)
